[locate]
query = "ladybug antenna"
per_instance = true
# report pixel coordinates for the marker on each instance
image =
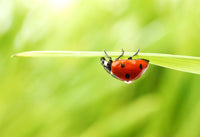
(120, 55)
(107, 55)
(134, 54)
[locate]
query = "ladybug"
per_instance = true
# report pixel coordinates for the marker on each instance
(126, 70)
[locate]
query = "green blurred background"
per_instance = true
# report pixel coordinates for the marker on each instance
(75, 97)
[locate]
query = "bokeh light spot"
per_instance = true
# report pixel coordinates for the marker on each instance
(59, 5)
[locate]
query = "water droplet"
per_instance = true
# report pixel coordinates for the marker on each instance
(128, 82)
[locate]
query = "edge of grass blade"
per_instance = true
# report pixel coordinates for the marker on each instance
(177, 62)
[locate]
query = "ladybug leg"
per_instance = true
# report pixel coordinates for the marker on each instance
(120, 55)
(134, 54)
(107, 55)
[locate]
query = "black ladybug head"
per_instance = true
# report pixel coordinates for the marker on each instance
(106, 64)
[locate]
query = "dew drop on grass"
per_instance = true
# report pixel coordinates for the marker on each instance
(128, 82)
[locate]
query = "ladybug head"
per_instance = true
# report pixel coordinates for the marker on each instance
(106, 64)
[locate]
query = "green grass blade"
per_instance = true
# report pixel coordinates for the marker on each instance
(177, 62)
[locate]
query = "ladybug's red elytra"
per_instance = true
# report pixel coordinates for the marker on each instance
(126, 70)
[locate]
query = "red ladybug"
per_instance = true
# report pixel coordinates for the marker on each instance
(126, 70)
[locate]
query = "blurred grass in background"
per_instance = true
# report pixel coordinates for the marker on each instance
(75, 97)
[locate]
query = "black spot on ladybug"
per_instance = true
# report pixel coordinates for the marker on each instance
(127, 75)
(122, 65)
(140, 66)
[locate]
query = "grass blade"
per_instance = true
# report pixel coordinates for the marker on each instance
(178, 62)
